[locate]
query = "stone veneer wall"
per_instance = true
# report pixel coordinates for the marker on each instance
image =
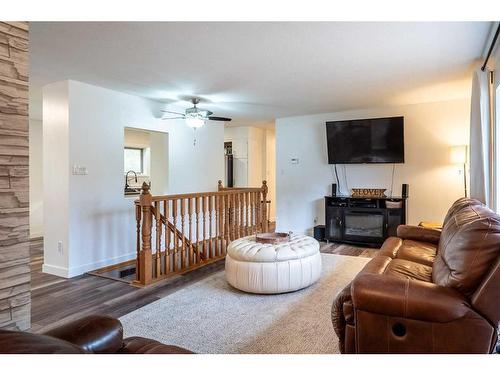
(15, 295)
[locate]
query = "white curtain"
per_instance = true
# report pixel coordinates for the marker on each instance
(481, 138)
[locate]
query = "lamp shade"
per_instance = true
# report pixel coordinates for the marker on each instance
(458, 154)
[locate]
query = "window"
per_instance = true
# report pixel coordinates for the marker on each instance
(133, 160)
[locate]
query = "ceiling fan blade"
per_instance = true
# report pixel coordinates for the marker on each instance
(215, 118)
(175, 113)
(173, 118)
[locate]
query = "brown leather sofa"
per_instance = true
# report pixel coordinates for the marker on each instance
(92, 334)
(427, 291)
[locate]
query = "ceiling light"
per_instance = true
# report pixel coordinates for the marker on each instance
(195, 122)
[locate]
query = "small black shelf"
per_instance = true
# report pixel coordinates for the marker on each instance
(366, 221)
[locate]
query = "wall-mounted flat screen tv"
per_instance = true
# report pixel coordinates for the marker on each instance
(374, 140)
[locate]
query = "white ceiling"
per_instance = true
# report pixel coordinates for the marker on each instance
(256, 72)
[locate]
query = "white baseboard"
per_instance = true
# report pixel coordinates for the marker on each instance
(55, 270)
(80, 270)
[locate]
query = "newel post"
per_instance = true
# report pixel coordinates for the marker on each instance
(145, 265)
(264, 206)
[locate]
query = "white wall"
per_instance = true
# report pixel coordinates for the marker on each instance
(56, 177)
(36, 178)
(270, 170)
(430, 129)
(256, 156)
(85, 126)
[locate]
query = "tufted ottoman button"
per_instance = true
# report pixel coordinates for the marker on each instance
(269, 269)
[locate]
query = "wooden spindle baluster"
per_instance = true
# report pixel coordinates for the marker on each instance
(204, 213)
(183, 237)
(245, 208)
(257, 210)
(190, 213)
(175, 237)
(235, 216)
(158, 239)
(167, 236)
(218, 205)
(242, 214)
(249, 213)
(227, 219)
(237, 197)
(210, 224)
(231, 217)
(220, 214)
(254, 216)
(225, 223)
(264, 206)
(198, 247)
(250, 223)
(138, 238)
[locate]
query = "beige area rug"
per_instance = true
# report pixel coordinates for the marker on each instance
(212, 317)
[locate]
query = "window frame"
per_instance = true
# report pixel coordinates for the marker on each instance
(141, 157)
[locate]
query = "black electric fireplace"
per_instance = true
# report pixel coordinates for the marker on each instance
(363, 226)
(366, 221)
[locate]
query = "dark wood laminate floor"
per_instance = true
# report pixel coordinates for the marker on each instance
(56, 300)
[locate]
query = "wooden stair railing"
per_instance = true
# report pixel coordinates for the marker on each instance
(193, 230)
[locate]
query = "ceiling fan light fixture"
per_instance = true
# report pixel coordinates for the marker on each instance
(195, 122)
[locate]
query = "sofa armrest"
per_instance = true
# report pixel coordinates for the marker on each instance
(94, 334)
(405, 298)
(412, 232)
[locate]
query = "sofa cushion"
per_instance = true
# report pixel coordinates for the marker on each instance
(390, 247)
(415, 251)
(418, 252)
(470, 244)
(411, 270)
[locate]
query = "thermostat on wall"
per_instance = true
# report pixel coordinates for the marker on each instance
(295, 160)
(79, 170)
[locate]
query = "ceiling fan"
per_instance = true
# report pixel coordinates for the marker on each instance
(194, 116)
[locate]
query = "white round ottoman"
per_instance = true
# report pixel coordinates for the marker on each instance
(267, 269)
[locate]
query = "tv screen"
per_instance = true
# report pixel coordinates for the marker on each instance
(376, 140)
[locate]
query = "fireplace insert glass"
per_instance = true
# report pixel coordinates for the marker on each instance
(359, 224)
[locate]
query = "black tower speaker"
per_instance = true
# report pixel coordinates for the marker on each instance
(405, 190)
(334, 190)
(319, 232)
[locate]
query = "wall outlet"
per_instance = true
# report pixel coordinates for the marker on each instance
(60, 247)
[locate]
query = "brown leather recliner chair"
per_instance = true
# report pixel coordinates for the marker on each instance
(427, 291)
(92, 334)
